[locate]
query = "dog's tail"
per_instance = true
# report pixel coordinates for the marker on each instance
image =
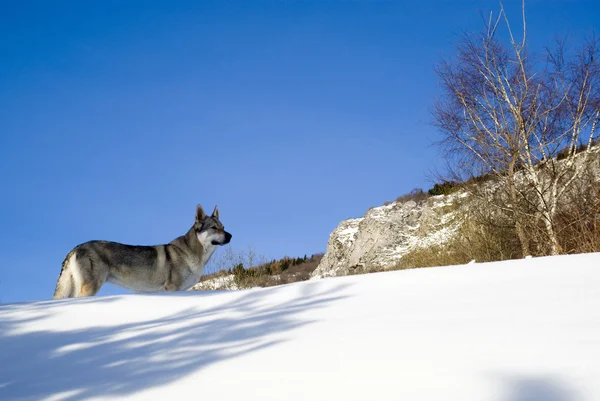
(65, 284)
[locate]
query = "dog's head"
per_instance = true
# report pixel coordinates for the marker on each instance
(209, 229)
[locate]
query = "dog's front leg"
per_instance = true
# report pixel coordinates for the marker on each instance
(173, 281)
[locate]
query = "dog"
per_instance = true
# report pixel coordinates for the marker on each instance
(176, 266)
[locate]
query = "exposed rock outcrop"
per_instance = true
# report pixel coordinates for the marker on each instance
(386, 233)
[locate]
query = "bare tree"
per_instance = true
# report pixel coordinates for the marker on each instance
(507, 114)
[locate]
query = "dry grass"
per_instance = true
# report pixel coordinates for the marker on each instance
(264, 274)
(578, 224)
(473, 241)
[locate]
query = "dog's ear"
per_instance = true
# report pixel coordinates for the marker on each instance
(215, 212)
(200, 215)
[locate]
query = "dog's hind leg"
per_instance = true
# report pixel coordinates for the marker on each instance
(91, 277)
(87, 275)
(88, 289)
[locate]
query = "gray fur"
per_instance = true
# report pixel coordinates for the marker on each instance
(175, 266)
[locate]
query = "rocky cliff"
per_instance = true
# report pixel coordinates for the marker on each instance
(380, 238)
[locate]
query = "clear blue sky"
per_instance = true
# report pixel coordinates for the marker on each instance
(118, 117)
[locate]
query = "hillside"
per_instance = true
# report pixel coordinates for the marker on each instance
(456, 222)
(244, 274)
(519, 330)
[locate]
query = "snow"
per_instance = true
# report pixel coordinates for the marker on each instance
(217, 283)
(380, 212)
(346, 233)
(525, 330)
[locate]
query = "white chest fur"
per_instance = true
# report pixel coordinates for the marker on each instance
(208, 251)
(198, 267)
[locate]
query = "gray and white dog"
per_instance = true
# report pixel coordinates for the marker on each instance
(176, 266)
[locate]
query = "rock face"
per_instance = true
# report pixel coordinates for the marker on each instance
(386, 233)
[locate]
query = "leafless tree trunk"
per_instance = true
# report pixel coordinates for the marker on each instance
(514, 200)
(528, 123)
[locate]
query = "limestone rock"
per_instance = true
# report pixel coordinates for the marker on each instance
(386, 233)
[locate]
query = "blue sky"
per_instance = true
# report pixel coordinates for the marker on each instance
(117, 118)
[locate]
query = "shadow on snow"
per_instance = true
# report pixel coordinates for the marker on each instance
(123, 359)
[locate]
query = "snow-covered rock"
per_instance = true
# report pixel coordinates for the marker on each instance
(216, 283)
(386, 233)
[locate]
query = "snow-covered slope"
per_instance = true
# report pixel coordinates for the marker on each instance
(525, 330)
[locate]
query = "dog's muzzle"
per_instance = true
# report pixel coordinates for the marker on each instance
(227, 238)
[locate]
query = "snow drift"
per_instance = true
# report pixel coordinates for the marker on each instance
(526, 330)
